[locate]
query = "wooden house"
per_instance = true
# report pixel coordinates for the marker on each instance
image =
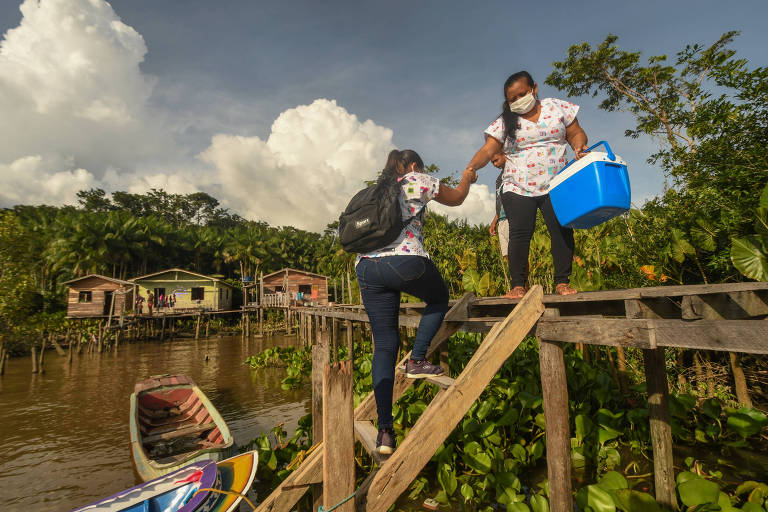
(92, 296)
(299, 285)
(192, 291)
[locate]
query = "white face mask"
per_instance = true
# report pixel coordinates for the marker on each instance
(524, 104)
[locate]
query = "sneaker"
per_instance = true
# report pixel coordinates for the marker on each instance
(421, 369)
(385, 441)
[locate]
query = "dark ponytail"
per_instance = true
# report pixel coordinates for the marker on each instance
(509, 117)
(405, 157)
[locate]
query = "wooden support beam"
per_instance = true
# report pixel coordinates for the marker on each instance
(449, 406)
(661, 432)
(749, 336)
(350, 340)
(339, 436)
(320, 358)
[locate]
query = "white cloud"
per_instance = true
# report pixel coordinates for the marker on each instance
(315, 158)
(479, 207)
(71, 90)
(34, 179)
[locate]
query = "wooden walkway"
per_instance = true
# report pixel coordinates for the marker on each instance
(725, 317)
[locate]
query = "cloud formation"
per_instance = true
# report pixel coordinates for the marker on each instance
(76, 114)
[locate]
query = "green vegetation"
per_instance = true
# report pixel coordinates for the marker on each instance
(495, 456)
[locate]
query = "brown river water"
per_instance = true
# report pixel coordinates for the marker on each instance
(64, 438)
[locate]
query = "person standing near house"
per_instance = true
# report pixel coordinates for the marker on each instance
(405, 266)
(500, 224)
(139, 304)
(533, 135)
(150, 302)
(171, 300)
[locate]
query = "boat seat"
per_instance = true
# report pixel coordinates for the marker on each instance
(184, 431)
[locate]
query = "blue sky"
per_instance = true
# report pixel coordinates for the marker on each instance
(430, 71)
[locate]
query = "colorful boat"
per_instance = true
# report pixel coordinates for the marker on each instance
(174, 492)
(174, 424)
(236, 475)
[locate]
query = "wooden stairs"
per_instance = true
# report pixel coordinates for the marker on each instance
(396, 472)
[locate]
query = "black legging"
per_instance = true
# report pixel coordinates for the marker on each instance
(521, 212)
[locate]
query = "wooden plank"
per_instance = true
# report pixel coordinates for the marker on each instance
(661, 432)
(612, 332)
(443, 381)
(732, 306)
(554, 389)
(339, 440)
(449, 406)
(320, 358)
(366, 433)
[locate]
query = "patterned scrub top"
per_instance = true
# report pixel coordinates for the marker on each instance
(538, 152)
(417, 189)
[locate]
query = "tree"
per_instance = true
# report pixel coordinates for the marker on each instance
(710, 114)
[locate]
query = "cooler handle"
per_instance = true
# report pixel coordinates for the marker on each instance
(611, 156)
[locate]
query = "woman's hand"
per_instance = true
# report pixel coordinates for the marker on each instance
(580, 151)
(469, 174)
(498, 160)
(494, 223)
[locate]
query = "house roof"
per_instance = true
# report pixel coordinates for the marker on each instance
(179, 270)
(98, 276)
(282, 271)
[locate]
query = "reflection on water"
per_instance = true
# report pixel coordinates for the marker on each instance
(64, 433)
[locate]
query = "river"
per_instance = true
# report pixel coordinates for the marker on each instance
(64, 434)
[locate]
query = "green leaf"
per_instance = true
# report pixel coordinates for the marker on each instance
(447, 479)
(510, 416)
(470, 280)
(467, 492)
(711, 408)
(592, 498)
(605, 434)
(539, 503)
(519, 453)
(751, 506)
(584, 427)
(613, 480)
(697, 491)
(635, 501)
(747, 422)
(518, 507)
(483, 285)
(749, 258)
(480, 461)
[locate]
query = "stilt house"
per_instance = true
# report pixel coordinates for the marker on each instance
(93, 296)
(192, 291)
(299, 285)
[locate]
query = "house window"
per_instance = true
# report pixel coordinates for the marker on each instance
(84, 297)
(198, 293)
(305, 288)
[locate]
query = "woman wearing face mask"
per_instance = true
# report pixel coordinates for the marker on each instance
(529, 139)
(404, 266)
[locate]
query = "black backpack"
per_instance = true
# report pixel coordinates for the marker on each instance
(373, 218)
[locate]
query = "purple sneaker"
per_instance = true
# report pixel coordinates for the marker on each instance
(421, 369)
(385, 441)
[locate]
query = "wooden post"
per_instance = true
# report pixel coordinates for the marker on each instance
(349, 288)
(261, 321)
(197, 327)
(339, 437)
(335, 326)
(350, 342)
(42, 355)
(162, 328)
(34, 359)
(661, 432)
(319, 360)
(207, 325)
(554, 389)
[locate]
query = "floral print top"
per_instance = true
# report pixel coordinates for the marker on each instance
(417, 190)
(538, 152)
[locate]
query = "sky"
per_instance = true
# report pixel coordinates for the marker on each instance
(281, 109)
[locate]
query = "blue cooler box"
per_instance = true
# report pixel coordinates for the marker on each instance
(589, 191)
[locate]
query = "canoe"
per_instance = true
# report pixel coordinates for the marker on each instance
(236, 474)
(174, 492)
(174, 424)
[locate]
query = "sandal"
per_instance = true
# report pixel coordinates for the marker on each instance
(518, 292)
(565, 289)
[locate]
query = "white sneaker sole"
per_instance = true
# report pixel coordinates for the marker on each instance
(384, 450)
(423, 375)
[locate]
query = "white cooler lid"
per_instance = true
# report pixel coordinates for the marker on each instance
(591, 157)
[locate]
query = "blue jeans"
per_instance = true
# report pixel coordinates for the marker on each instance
(381, 281)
